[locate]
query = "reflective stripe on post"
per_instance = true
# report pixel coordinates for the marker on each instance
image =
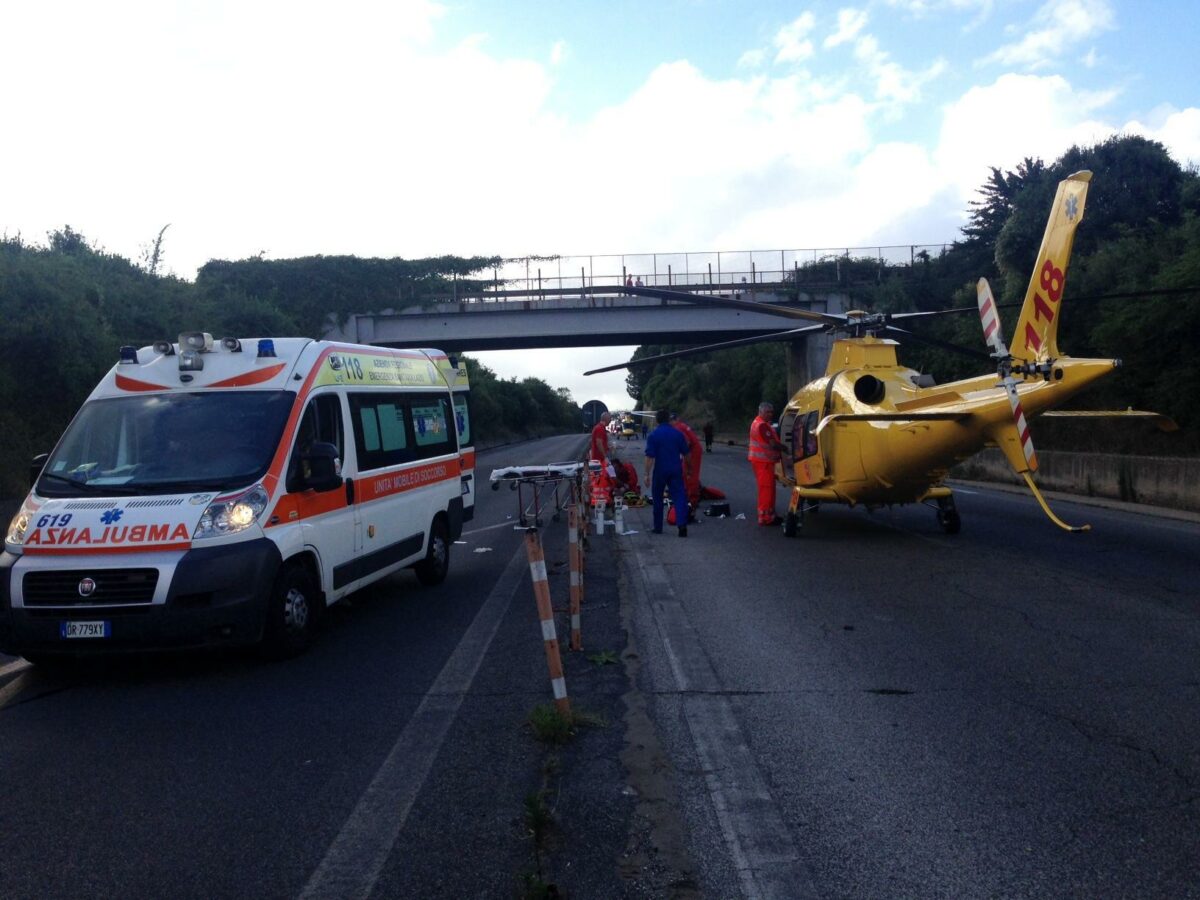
(576, 578)
(541, 593)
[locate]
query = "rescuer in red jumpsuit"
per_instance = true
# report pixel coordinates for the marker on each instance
(765, 450)
(691, 468)
(599, 448)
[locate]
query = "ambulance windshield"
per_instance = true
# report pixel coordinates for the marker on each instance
(167, 444)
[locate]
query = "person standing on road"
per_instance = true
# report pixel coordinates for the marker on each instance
(765, 451)
(708, 436)
(665, 449)
(691, 466)
(599, 448)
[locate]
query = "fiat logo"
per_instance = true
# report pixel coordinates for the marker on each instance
(87, 587)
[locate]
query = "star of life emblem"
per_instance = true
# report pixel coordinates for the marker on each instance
(1072, 208)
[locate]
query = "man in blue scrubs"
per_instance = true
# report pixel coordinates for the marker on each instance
(665, 449)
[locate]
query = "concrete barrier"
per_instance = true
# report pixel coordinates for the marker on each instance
(1170, 481)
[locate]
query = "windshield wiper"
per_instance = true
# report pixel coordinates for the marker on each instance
(88, 488)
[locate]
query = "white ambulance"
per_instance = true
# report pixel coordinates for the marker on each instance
(225, 492)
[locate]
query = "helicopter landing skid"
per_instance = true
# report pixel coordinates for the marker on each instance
(794, 520)
(947, 513)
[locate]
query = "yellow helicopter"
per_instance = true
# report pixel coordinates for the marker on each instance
(873, 432)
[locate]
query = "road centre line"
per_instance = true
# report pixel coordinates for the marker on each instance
(764, 855)
(355, 859)
(489, 528)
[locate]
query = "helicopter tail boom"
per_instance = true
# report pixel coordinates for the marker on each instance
(1036, 335)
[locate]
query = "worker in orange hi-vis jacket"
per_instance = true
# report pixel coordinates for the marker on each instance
(765, 452)
(691, 464)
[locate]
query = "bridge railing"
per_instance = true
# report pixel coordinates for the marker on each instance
(823, 267)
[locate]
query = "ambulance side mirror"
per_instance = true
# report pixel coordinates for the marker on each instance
(321, 472)
(35, 467)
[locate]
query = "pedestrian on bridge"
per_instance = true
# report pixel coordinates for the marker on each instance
(766, 450)
(708, 436)
(665, 449)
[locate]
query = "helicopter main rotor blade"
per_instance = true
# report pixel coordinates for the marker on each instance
(770, 309)
(708, 348)
(906, 335)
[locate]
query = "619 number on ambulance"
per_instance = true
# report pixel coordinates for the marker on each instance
(226, 492)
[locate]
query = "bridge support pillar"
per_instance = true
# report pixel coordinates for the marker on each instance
(797, 366)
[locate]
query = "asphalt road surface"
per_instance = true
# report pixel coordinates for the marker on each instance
(872, 709)
(877, 709)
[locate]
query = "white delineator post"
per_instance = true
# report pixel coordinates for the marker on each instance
(576, 578)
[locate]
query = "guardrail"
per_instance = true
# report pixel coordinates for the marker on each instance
(717, 270)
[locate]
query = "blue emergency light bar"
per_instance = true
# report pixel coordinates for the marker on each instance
(129, 355)
(266, 347)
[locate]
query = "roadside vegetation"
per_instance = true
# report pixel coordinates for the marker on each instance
(1133, 293)
(66, 307)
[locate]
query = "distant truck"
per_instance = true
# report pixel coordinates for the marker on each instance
(225, 492)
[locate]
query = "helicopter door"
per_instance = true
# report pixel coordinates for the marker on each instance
(810, 467)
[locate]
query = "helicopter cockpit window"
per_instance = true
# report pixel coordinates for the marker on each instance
(804, 435)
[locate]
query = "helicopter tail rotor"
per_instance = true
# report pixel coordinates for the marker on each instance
(1014, 439)
(993, 333)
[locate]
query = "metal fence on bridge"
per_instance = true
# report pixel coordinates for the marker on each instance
(608, 272)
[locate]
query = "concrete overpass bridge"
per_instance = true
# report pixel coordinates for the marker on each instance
(578, 301)
(557, 318)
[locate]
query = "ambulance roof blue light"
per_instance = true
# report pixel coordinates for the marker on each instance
(266, 347)
(129, 355)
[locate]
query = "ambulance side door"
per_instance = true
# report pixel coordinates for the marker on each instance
(329, 520)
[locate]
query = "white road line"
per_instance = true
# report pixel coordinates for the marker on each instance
(355, 859)
(509, 524)
(763, 853)
(15, 666)
(16, 685)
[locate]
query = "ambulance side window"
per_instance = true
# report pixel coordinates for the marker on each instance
(321, 423)
(462, 419)
(391, 429)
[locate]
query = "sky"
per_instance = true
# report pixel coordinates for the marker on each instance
(413, 128)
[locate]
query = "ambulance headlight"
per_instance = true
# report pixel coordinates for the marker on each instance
(231, 515)
(18, 528)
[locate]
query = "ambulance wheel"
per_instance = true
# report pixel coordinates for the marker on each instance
(433, 568)
(292, 612)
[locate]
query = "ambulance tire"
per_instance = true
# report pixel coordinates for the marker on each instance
(293, 609)
(433, 568)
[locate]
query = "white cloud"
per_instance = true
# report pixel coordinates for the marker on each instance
(1000, 124)
(849, 23)
(1056, 26)
(791, 41)
(752, 59)
(928, 7)
(1178, 131)
(558, 53)
(893, 83)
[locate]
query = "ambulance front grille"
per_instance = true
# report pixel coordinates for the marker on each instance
(113, 587)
